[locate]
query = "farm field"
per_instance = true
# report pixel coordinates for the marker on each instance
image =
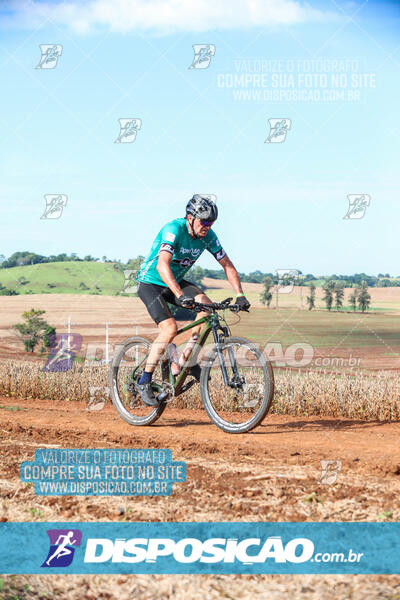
(382, 299)
(371, 339)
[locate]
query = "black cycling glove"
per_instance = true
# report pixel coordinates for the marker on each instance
(185, 301)
(242, 302)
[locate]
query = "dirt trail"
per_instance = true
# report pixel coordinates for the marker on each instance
(374, 446)
(267, 474)
(271, 474)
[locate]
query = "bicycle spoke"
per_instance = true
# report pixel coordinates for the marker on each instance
(127, 367)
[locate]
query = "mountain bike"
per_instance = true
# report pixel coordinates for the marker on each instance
(236, 381)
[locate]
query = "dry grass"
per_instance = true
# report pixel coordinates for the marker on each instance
(331, 395)
(199, 587)
(26, 380)
(297, 393)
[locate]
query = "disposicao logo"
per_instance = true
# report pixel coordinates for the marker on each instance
(190, 550)
(62, 547)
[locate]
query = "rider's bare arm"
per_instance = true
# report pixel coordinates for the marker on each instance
(231, 274)
(164, 260)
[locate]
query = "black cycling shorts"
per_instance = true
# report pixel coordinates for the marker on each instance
(156, 297)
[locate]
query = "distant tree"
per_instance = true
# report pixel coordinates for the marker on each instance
(354, 297)
(255, 277)
(33, 329)
(216, 274)
(328, 288)
(339, 295)
(266, 295)
(7, 291)
(364, 298)
(311, 298)
(19, 259)
(90, 258)
(196, 276)
(48, 336)
(22, 280)
(287, 279)
(134, 263)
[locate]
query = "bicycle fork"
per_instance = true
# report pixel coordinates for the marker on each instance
(218, 342)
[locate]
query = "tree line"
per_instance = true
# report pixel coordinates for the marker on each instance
(24, 258)
(359, 297)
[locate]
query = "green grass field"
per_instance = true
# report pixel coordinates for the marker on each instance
(64, 278)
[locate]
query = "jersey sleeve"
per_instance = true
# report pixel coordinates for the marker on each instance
(214, 246)
(169, 237)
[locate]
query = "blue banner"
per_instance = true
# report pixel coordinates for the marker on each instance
(228, 548)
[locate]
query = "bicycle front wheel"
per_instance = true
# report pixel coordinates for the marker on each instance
(127, 365)
(241, 402)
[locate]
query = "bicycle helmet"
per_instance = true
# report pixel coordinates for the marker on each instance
(202, 207)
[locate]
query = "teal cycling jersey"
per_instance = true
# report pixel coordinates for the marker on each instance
(174, 237)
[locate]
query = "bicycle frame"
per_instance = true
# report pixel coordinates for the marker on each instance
(212, 325)
(227, 404)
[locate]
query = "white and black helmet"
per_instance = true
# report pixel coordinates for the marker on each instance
(202, 207)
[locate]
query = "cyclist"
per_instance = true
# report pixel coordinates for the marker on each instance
(161, 279)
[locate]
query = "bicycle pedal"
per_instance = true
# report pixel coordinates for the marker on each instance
(162, 396)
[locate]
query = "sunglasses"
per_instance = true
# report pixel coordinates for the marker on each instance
(206, 223)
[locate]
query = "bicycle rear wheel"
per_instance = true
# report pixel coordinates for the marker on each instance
(127, 365)
(241, 403)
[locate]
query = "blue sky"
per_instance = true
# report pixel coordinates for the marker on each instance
(281, 204)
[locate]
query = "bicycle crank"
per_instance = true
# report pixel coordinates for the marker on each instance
(167, 393)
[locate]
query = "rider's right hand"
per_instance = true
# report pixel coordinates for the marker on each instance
(185, 301)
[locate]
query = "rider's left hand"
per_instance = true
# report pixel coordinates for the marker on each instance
(186, 301)
(242, 302)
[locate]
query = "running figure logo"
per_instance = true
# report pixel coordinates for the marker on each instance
(357, 206)
(130, 287)
(128, 130)
(55, 204)
(329, 471)
(286, 280)
(62, 547)
(50, 55)
(278, 129)
(62, 351)
(98, 397)
(202, 56)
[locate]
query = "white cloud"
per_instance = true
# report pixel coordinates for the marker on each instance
(163, 16)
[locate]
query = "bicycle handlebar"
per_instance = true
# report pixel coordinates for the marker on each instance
(225, 304)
